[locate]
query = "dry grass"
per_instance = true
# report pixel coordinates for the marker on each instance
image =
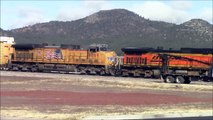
(137, 84)
(77, 113)
(103, 82)
(127, 84)
(80, 112)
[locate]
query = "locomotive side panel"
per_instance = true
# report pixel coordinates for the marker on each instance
(194, 61)
(153, 60)
(51, 55)
(174, 66)
(146, 59)
(141, 64)
(24, 56)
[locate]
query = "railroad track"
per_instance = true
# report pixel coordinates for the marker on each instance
(77, 74)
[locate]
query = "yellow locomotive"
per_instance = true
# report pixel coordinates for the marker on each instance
(97, 59)
(6, 50)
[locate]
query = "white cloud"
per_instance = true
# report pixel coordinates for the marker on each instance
(174, 11)
(97, 5)
(70, 12)
(156, 10)
(181, 5)
(206, 14)
(27, 16)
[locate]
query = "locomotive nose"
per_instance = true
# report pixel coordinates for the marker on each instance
(111, 58)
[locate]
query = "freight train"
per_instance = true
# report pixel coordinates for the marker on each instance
(173, 66)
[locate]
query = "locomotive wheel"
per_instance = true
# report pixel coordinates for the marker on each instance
(206, 79)
(117, 73)
(34, 69)
(170, 79)
(187, 80)
(112, 72)
(124, 74)
(180, 79)
(102, 73)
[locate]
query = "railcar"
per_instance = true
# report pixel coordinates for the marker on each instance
(97, 59)
(6, 51)
(180, 66)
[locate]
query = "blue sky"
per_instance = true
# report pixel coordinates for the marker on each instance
(17, 13)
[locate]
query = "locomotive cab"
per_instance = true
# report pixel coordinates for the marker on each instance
(98, 47)
(101, 55)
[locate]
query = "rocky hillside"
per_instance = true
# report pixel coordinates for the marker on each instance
(3, 32)
(118, 28)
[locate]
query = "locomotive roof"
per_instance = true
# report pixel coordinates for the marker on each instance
(8, 40)
(32, 46)
(136, 50)
(27, 46)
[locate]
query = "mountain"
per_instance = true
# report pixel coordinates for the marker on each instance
(3, 32)
(118, 28)
(203, 28)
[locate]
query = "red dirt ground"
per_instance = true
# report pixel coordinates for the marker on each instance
(80, 98)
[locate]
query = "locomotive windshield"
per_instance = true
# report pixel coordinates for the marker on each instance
(98, 47)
